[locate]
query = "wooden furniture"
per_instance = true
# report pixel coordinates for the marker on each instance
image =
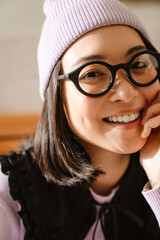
(13, 129)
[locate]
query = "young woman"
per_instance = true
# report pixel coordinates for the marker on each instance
(92, 171)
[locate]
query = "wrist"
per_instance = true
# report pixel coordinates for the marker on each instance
(155, 183)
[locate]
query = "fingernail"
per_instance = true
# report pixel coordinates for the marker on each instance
(143, 121)
(145, 133)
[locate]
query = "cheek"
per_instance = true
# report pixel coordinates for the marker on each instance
(79, 108)
(150, 92)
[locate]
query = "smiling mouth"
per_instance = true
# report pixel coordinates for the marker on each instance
(127, 118)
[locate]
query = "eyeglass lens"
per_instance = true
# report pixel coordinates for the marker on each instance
(96, 78)
(144, 68)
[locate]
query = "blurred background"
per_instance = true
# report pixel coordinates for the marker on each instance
(20, 26)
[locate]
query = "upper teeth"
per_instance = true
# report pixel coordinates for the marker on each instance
(125, 118)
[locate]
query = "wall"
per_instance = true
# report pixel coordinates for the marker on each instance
(20, 26)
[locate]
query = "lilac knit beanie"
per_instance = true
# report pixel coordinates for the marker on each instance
(67, 20)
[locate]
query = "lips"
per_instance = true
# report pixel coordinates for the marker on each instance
(126, 118)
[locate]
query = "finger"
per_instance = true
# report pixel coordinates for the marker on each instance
(146, 132)
(157, 98)
(151, 112)
(149, 125)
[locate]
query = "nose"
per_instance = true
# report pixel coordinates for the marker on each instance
(123, 89)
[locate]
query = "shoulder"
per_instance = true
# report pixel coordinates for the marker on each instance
(44, 201)
(10, 224)
(24, 173)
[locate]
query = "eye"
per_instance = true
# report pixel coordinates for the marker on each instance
(139, 64)
(93, 74)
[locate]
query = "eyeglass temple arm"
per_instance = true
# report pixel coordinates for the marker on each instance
(64, 76)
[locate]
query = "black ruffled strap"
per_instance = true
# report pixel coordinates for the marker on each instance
(14, 162)
(6, 163)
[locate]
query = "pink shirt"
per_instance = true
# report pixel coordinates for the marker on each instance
(11, 226)
(101, 200)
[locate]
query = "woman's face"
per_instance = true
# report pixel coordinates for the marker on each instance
(87, 115)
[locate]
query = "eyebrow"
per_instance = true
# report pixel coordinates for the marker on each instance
(135, 49)
(88, 58)
(102, 57)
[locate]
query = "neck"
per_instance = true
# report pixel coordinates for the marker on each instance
(113, 165)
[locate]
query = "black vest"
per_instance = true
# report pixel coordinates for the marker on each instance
(51, 212)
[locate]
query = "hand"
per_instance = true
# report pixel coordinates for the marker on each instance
(150, 153)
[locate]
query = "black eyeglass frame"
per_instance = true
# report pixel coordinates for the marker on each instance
(73, 76)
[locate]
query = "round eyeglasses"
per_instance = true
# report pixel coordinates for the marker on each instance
(96, 78)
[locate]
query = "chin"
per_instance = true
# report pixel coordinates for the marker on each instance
(132, 148)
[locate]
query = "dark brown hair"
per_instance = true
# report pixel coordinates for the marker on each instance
(57, 150)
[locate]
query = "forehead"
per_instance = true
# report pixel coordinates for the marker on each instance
(112, 42)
